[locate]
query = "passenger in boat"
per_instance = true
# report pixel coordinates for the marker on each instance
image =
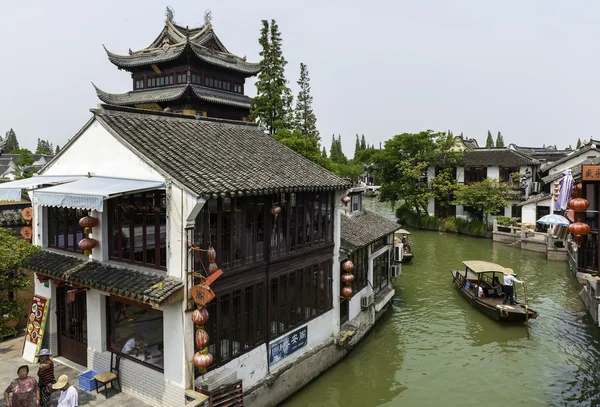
(509, 280)
(496, 290)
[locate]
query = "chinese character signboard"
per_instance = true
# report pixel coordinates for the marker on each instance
(590, 173)
(201, 294)
(35, 327)
(287, 345)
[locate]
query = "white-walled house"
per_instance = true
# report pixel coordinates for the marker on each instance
(160, 182)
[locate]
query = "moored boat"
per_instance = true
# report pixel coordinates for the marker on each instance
(476, 285)
(402, 250)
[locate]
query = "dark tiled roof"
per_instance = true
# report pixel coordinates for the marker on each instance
(575, 170)
(576, 153)
(211, 156)
(361, 230)
(169, 93)
(496, 156)
(143, 286)
(534, 199)
(150, 57)
(11, 217)
(470, 143)
(230, 62)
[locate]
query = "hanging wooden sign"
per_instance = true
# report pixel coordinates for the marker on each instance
(202, 294)
(26, 232)
(210, 279)
(590, 173)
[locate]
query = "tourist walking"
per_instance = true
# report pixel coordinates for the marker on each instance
(68, 395)
(46, 376)
(25, 391)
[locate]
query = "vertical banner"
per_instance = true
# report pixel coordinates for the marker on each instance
(36, 323)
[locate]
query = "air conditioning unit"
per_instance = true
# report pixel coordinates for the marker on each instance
(367, 301)
(396, 270)
(535, 187)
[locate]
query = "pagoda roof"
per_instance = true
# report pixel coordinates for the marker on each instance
(170, 93)
(174, 40)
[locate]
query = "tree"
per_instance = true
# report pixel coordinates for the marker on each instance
(500, 140)
(57, 149)
(305, 120)
(304, 145)
(11, 141)
(485, 197)
(489, 143)
(272, 104)
(14, 251)
(324, 152)
(44, 147)
(363, 144)
(25, 157)
(356, 148)
(578, 143)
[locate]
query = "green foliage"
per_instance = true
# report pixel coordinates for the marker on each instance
(477, 228)
(304, 145)
(349, 170)
(324, 152)
(578, 144)
(335, 153)
(506, 221)
(305, 120)
(44, 147)
(25, 157)
(454, 224)
(57, 149)
(489, 142)
(485, 197)
(499, 140)
(14, 251)
(11, 141)
(272, 104)
(363, 144)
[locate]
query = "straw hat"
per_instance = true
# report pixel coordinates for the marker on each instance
(508, 271)
(60, 383)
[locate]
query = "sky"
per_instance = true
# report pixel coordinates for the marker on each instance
(529, 69)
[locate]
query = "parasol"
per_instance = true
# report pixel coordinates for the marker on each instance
(554, 219)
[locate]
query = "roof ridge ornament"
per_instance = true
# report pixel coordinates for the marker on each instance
(170, 13)
(208, 18)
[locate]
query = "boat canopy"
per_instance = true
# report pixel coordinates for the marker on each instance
(402, 232)
(478, 266)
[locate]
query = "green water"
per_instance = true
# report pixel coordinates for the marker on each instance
(432, 348)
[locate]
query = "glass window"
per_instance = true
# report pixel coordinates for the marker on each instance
(181, 78)
(135, 331)
(381, 267)
(137, 228)
(360, 259)
(64, 231)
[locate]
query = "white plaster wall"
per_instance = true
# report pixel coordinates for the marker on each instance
(180, 203)
(98, 152)
(430, 173)
(528, 213)
(574, 161)
(460, 174)
(354, 304)
(460, 211)
(174, 349)
(493, 172)
(431, 206)
(96, 322)
(336, 272)
(51, 328)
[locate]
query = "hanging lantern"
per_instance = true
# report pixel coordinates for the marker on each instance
(211, 254)
(201, 338)
(87, 223)
(579, 229)
(347, 292)
(200, 316)
(347, 278)
(345, 199)
(202, 360)
(348, 266)
(579, 204)
(87, 244)
(275, 210)
(212, 267)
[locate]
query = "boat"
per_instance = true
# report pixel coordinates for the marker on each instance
(402, 250)
(475, 284)
(371, 190)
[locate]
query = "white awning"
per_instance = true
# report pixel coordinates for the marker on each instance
(90, 193)
(11, 191)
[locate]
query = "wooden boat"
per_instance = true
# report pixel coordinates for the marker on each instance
(402, 250)
(481, 274)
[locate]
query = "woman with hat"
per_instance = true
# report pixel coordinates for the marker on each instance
(68, 395)
(25, 391)
(509, 280)
(46, 376)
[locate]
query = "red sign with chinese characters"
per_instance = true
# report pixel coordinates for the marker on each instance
(201, 294)
(590, 173)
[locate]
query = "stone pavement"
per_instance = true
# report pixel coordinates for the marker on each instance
(10, 360)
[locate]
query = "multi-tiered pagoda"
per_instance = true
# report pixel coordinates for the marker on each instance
(186, 70)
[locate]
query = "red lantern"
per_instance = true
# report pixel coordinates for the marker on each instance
(211, 254)
(212, 267)
(200, 316)
(348, 266)
(87, 244)
(345, 199)
(347, 278)
(579, 229)
(88, 222)
(201, 338)
(347, 291)
(579, 204)
(202, 361)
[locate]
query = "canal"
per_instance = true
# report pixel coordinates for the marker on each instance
(432, 348)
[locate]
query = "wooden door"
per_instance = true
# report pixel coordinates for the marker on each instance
(72, 324)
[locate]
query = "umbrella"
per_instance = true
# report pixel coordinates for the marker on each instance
(554, 219)
(565, 185)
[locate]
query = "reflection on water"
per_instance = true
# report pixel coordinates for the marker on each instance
(432, 348)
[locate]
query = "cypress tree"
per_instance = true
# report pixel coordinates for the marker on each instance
(356, 147)
(500, 140)
(490, 141)
(304, 118)
(11, 141)
(324, 153)
(578, 143)
(363, 144)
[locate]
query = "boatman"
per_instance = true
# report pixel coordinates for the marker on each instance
(509, 280)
